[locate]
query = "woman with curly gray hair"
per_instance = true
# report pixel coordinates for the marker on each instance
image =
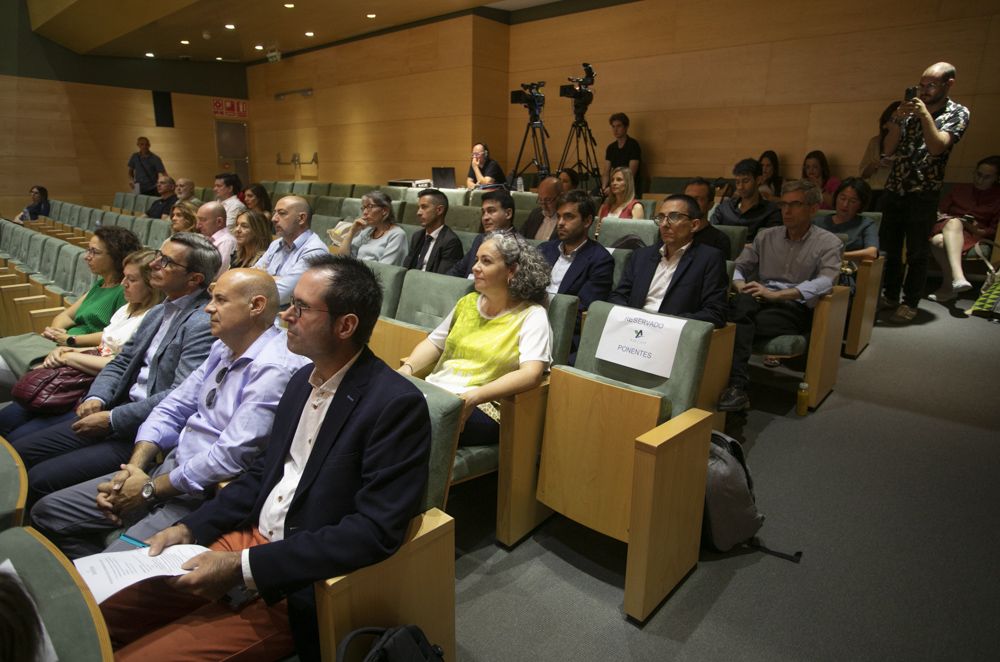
(496, 341)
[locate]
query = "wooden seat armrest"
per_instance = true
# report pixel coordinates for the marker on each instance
(414, 585)
(43, 317)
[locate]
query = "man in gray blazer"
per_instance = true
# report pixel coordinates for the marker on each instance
(172, 341)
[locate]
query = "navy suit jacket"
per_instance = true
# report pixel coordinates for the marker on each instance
(589, 276)
(184, 347)
(446, 252)
(697, 289)
(463, 267)
(362, 484)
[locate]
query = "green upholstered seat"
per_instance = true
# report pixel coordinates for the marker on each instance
(309, 198)
(397, 210)
(206, 193)
(668, 185)
(613, 229)
(76, 211)
(394, 192)
(359, 190)
(140, 226)
(300, 187)
(12, 239)
(521, 216)
(391, 277)
(282, 188)
(782, 346)
(65, 606)
(350, 208)
(69, 258)
(466, 238)
(319, 188)
(126, 221)
(410, 230)
(51, 252)
(649, 207)
(328, 205)
(55, 207)
(679, 393)
(445, 409)
(105, 218)
(268, 186)
(524, 199)
(83, 278)
(321, 223)
(730, 269)
(467, 219)
(159, 230)
(33, 253)
(426, 297)
(737, 239)
(13, 487)
(620, 256)
(128, 201)
(340, 190)
(409, 214)
(119, 200)
(476, 198)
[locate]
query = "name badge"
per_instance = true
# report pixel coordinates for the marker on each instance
(640, 340)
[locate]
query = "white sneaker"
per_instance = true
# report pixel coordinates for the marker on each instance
(960, 286)
(943, 295)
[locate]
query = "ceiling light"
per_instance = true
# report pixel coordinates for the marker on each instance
(150, 55)
(185, 42)
(258, 47)
(310, 34)
(289, 5)
(218, 59)
(229, 26)
(369, 15)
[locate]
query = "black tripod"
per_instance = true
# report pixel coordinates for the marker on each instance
(586, 165)
(538, 134)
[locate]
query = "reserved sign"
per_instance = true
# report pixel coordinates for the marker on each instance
(640, 340)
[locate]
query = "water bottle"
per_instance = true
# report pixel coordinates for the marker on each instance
(520, 184)
(802, 399)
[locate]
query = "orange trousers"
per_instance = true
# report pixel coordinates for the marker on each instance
(152, 621)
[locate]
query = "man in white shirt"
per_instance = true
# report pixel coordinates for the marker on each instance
(211, 223)
(227, 187)
(335, 489)
(285, 259)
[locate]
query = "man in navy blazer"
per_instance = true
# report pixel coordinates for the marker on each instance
(171, 342)
(580, 266)
(343, 474)
(437, 247)
(679, 277)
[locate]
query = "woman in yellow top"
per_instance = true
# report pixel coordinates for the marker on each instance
(496, 341)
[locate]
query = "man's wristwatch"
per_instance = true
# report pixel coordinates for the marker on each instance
(71, 341)
(149, 492)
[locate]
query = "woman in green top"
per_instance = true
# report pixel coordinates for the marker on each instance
(81, 324)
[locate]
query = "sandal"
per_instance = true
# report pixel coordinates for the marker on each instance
(771, 362)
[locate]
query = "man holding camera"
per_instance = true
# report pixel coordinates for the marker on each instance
(925, 127)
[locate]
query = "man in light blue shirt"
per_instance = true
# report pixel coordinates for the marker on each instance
(285, 258)
(209, 428)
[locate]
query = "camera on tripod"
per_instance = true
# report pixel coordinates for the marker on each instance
(531, 97)
(580, 91)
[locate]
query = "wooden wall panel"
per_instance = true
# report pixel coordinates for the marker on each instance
(76, 139)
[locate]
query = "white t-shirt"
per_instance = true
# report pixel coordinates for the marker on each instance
(119, 330)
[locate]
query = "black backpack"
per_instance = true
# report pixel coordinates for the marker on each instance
(731, 516)
(406, 643)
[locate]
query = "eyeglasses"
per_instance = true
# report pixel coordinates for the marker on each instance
(298, 307)
(479, 153)
(93, 252)
(793, 205)
(369, 207)
(219, 378)
(546, 201)
(671, 218)
(930, 86)
(165, 261)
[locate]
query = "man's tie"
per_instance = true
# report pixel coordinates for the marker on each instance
(423, 250)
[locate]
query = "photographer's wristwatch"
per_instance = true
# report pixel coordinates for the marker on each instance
(149, 492)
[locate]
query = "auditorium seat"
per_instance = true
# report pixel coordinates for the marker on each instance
(737, 239)
(321, 223)
(119, 200)
(268, 186)
(624, 453)
(416, 584)
(13, 486)
(864, 306)
(391, 278)
(358, 190)
(319, 188)
(65, 605)
(468, 219)
(476, 198)
(159, 230)
(609, 230)
(394, 192)
(141, 226)
(328, 205)
(300, 187)
(340, 190)
(351, 208)
(524, 200)
(282, 189)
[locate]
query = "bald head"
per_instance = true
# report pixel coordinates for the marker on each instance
(244, 304)
(211, 218)
(292, 216)
(548, 190)
(941, 70)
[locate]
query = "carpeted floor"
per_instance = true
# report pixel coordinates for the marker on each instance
(890, 490)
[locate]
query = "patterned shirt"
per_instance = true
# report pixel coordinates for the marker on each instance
(916, 170)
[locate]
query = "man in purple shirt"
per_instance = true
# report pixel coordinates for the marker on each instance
(209, 428)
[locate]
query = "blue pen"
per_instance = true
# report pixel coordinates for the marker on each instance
(132, 541)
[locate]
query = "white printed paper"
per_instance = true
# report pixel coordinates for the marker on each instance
(640, 340)
(110, 572)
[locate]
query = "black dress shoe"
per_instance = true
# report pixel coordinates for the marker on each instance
(734, 399)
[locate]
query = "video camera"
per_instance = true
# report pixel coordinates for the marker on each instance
(580, 92)
(531, 97)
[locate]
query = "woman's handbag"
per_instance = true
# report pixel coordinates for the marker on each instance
(51, 390)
